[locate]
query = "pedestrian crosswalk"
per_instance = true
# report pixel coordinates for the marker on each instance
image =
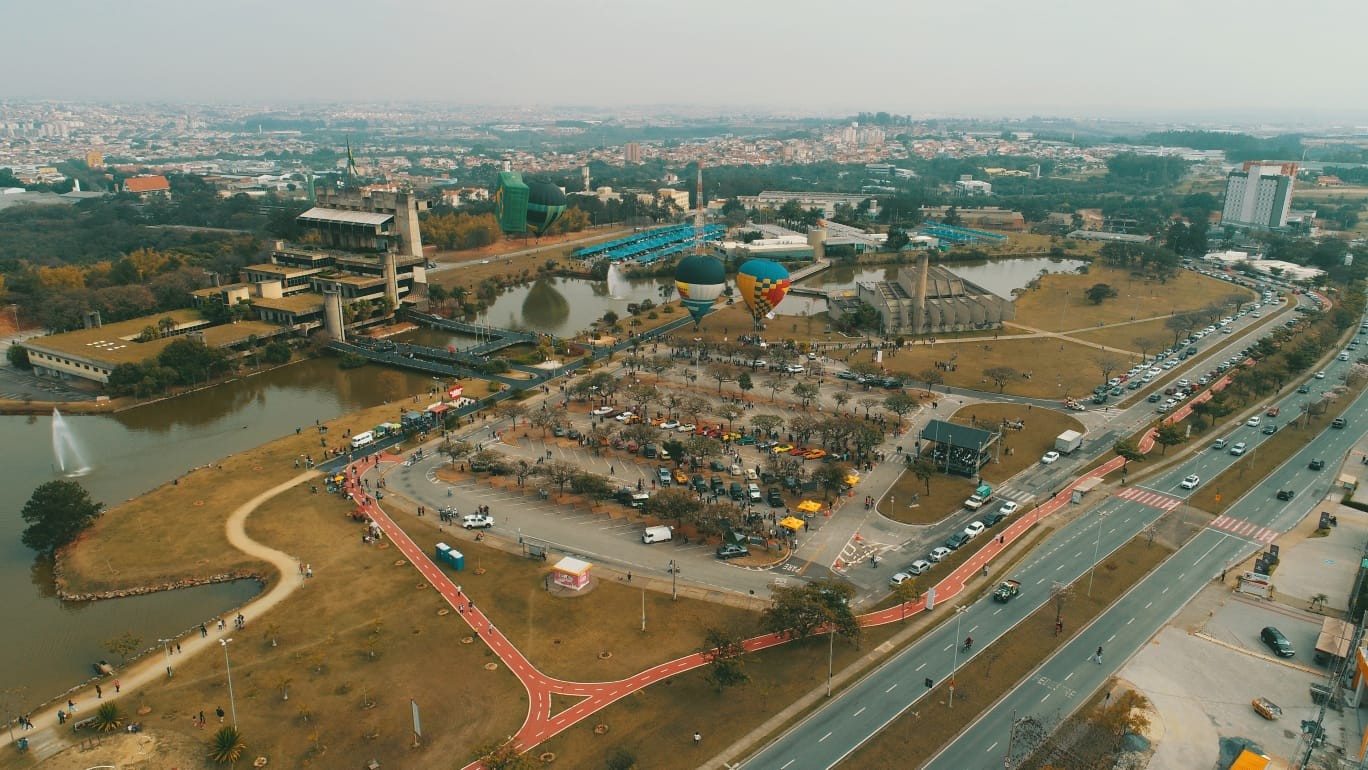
(1019, 495)
(1146, 497)
(1245, 529)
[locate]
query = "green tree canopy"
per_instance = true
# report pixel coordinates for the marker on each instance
(56, 513)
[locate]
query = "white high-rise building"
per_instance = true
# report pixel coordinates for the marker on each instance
(1260, 195)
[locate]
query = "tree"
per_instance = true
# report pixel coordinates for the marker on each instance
(122, 645)
(722, 373)
(907, 592)
(676, 449)
(803, 610)
(561, 473)
(924, 467)
(729, 412)
(725, 655)
(545, 419)
(227, 746)
(1318, 601)
(1001, 375)
(676, 503)
(744, 383)
(805, 392)
(502, 756)
(868, 402)
(767, 423)
(283, 683)
(56, 513)
(831, 476)
(455, 450)
(1106, 364)
(276, 352)
(841, 398)
(1098, 292)
(1146, 344)
(900, 404)
(108, 718)
(1128, 452)
(1169, 434)
(931, 377)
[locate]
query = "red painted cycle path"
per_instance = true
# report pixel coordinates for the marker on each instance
(540, 724)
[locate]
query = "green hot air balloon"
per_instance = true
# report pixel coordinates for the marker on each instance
(527, 206)
(699, 280)
(545, 205)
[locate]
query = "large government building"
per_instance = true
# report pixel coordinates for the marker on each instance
(931, 300)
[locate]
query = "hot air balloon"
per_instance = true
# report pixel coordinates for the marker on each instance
(531, 206)
(763, 284)
(699, 280)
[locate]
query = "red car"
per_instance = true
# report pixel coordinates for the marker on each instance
(1272, 411)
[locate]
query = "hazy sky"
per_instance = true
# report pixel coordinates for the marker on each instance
(981, 57)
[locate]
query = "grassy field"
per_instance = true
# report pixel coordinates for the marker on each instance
(1020, 449)
(1060, 303)
(912, 738)
(1123, 336)
(1056, 367)
(1323, 194)
(186, 517)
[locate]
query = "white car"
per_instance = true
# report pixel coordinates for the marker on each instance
(751, 475)
(669, 424)
(624, 417)
(1238, 449)
(1050, 458)
(687, 427)
(1191, 482)
(602, 411)
(477, 521)
(1008, 508)
(898, 579)
(1320, 375)
(939, 553)
(974, 529)
(1254, 421)
(919, 567)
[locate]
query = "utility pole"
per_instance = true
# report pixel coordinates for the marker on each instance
(674, 581)
(1097, 547)
(231, 701)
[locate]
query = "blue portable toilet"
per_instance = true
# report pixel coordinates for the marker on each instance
(442, 550)
(455, 558)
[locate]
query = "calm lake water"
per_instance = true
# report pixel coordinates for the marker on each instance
(50, 645)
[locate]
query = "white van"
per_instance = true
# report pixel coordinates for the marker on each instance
(657, 535)
(362, 439)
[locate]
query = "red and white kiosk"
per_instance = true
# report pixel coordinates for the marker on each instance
(571, 573)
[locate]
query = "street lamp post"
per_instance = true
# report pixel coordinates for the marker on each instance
(674, 585)
(232, 703)
(831, 647)
(1097, 546)
(954, 667)
(166, 646)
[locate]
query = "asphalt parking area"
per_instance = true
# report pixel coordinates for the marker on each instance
(1201, 684)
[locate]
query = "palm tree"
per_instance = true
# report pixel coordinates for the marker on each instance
(1318, 601)
(107, 717)
(227, 745)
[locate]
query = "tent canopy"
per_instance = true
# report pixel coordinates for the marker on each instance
(810, 506)
(792, 523)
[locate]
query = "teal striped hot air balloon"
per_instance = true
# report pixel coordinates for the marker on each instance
(699, 280)
(763, 284)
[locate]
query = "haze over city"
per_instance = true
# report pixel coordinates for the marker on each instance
(1168, 59)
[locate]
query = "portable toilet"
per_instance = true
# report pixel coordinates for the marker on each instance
(442, 550)
(455, 558)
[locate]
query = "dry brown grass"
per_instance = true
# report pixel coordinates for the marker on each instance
(185, 518)
(1122, 337)
(1060, 303)
(949, 492)
(912, 738)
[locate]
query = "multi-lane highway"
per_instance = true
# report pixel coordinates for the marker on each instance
(829, 735)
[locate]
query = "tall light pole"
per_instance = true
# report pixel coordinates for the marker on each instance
(831, 647)
(1097, 546)
(166, 646)
(231, 702)
(674, 584)
(954, 667)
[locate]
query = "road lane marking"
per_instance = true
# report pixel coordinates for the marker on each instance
(786, 764)
(1128, 622)
(1047, 697)
(861, 711)
(1070, 676)
(895, 685)
(1110, 638)
(919, 668)
(990, 748)
(824, 737)
(1148, 605)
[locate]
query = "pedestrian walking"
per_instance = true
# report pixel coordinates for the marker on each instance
(178, 649)
(629, 577)
(1098, 656)
(61, 718)
(219, 712)
(71, 706)
(116, 686)
(698, 737)
(99, 693)
(1059, 626)
(203, 631)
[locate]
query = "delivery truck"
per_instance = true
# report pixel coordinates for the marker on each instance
(983, 494)
(1068, 441)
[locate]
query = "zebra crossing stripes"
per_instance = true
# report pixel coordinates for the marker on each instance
(1245, 529)
(1019, 495)
(1146, 497)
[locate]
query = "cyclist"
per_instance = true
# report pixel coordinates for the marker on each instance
(968, 642)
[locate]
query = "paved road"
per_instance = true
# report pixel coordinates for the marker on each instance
(829, 735)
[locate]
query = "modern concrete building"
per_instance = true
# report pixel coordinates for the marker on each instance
(967, 185)
(808, 200)
(932, 300)
(1259, 196)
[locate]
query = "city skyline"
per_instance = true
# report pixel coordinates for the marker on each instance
(1174, 60)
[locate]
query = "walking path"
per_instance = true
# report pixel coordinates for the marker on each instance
(50, 738)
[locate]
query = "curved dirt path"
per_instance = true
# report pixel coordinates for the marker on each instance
(156, 666)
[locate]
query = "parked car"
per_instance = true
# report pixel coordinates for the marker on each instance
(992, 519)
(732, 551)
(974, 529)
(477, 521)
(736, 491)
(919, 567)
(774, 497)
(665, 476)
(1008, 508)
(1277, 642)
(603, 411)
(898, 579)
(939, 553)
(957, 540)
